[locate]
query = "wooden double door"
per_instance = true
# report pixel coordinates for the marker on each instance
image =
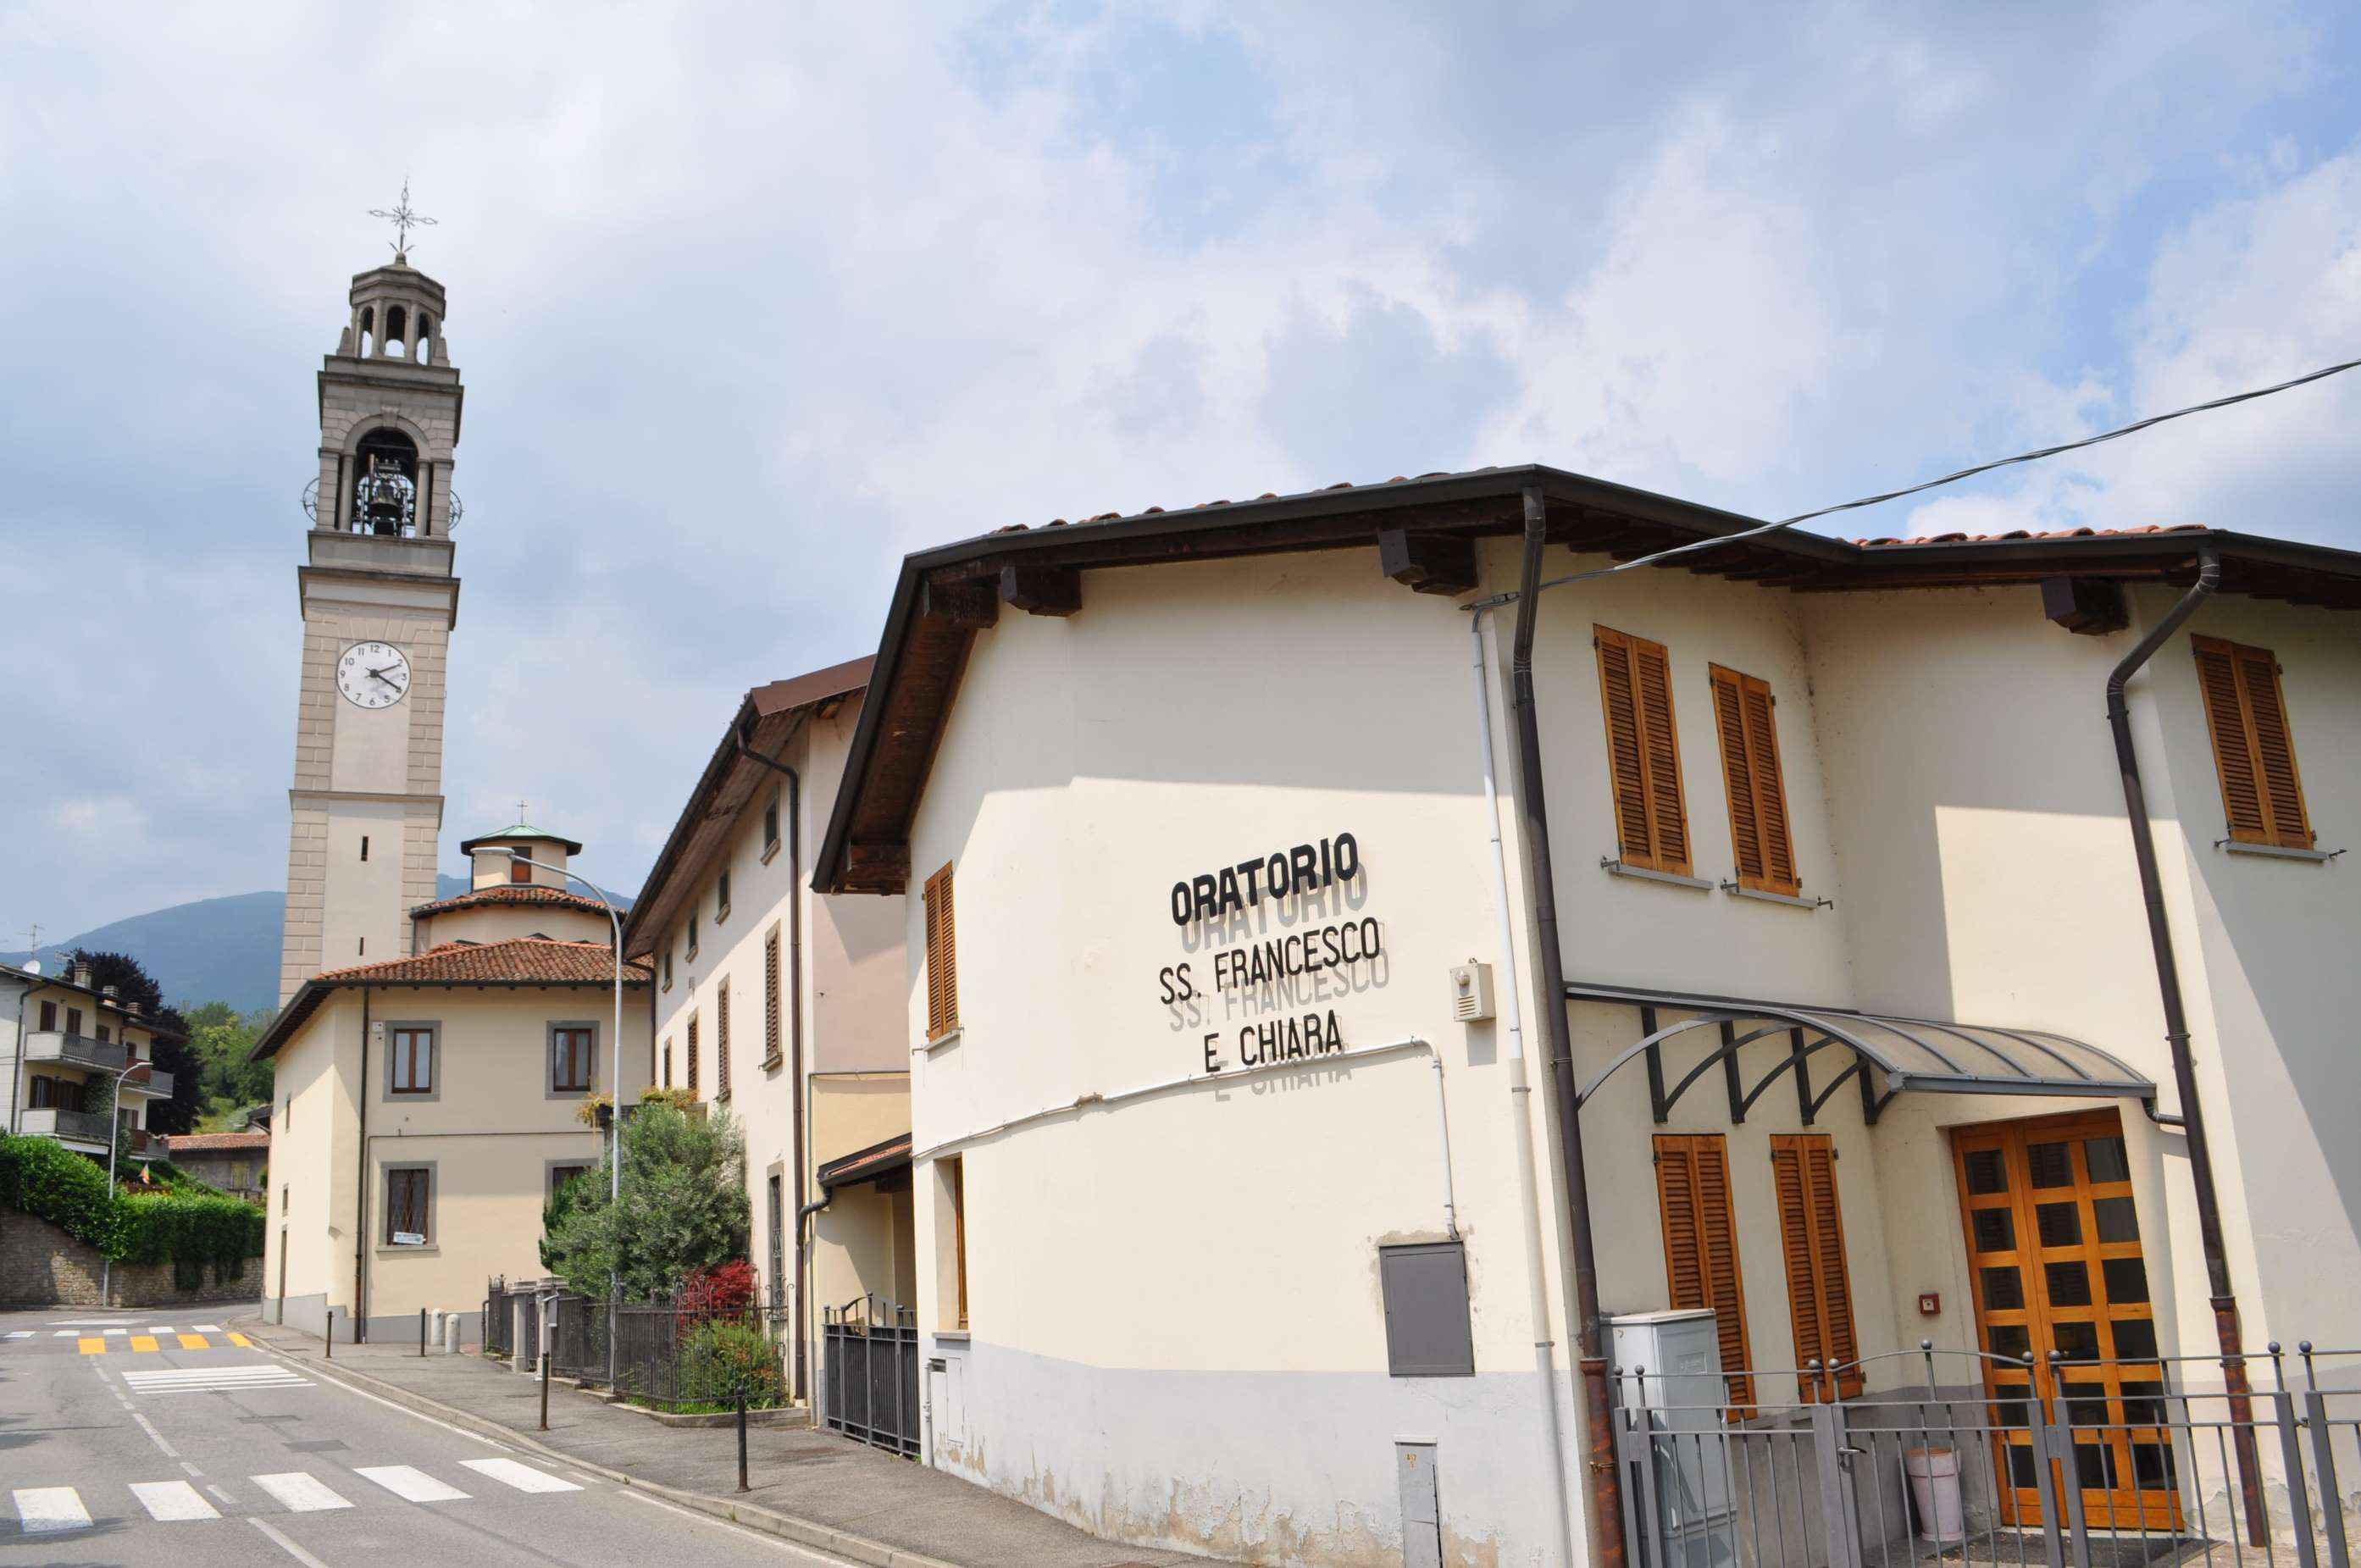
(2054, 1250)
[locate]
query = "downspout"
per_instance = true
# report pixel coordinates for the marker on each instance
(795, 1001)
(360, 1199)
(1520, 1092)
(2176, 1035)
(805, 1214)
(1606, 1495)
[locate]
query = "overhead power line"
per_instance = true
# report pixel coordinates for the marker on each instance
(2034, 456)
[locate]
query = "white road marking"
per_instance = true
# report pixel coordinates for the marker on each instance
(67, 1333)
(149, 1428)
(191, 1468)
(163, 1330)
(168, 1501)
(331, 1379)
(801, 1553)
(524, 1477)
(209, 1329)
(43, 1510)
(285, 1545)
(117, 1333)
(301, 1491)
(409, 1484)
(221, 1492)
(20, 1333)
(213, 1379)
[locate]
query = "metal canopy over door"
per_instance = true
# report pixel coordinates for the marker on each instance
(2054, 1251)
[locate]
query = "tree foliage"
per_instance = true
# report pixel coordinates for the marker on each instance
(683, 1208)
(133, 983)
(220, 1036)
(184, 1222)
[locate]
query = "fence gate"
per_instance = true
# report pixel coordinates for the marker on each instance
(870, 1372)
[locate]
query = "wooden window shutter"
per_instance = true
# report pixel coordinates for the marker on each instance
(721, 1042)
(692, 1053)
(1643, 759)
(942, 958)
(1811, 1234)
(771, 998)
(1701, 1248)
(2253, 753)
(1758, 836)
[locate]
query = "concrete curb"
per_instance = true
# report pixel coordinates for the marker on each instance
(804, 1532)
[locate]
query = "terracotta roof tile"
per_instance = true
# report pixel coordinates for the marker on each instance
(518, 960)
(509, 894)
(217, 1142)
(2034, 533)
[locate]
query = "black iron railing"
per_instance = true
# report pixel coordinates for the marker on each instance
(1977, 1458)
(870, 1373)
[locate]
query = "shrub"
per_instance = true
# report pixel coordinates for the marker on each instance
(185, 1224)
(190, 1231)
(683, 1209)
(725, 1290)
(44, 1179)
(721, 1360)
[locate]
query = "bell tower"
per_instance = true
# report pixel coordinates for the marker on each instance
(379, 602)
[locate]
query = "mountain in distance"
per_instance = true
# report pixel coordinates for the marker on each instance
(215, 950)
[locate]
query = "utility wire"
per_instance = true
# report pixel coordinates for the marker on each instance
(1720, 540)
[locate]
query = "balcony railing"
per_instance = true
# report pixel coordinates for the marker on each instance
(153, 1083)
(69, 1126)
(80, 1051)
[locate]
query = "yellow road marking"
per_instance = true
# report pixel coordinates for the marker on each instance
(143, 1342)
(194, 1341)
(93, 1346)
(241, 1342)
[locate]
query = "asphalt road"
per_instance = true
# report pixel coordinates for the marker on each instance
(200, 1452)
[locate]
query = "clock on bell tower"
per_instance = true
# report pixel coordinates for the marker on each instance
(379, 602)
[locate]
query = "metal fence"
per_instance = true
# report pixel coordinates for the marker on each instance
(870, 1373)
(2091, 1463)
(498, 1318)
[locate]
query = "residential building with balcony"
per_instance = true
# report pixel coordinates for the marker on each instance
(77, 1062)
(1346, 973)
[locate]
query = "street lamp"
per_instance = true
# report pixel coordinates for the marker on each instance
(614, 1086)
(113, 1143)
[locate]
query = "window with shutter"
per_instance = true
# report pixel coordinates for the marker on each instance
(942, 958)
(1701, 1249)
(1811, 1234)
(1760, 840)
(721, 1042)
(2253, 753)
(1643, 762)
(771, 998)
(692, 1056)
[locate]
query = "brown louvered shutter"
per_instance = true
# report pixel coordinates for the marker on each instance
(771, 998)
(1635, 692)
(2253, 751)
(1760, 840)
(1701, 1248)
(942, 958)
(692, 1055)
(1811, 1235)
(721, 1042)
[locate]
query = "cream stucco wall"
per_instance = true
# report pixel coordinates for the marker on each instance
(489, 1131)
(497, 922)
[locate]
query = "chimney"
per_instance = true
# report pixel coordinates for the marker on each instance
(81, 975)
(111, 992)
(132, 1008)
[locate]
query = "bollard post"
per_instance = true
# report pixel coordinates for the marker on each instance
(422, 1333)
(545, 1369)
(742, 1440)
(328, 1340)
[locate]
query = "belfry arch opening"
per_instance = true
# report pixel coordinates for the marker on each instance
(386, 485)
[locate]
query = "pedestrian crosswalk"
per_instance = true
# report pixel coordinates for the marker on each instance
(138, 1340)
(215, 1379)
(42, 1510)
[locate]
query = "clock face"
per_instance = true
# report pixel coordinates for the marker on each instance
(373, 674)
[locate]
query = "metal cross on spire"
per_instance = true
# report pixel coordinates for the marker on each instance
(403, 220)
(519, 811)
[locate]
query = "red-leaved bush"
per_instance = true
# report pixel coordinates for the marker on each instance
(725, 1290)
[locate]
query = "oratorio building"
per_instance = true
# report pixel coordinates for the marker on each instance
(1298, 1132)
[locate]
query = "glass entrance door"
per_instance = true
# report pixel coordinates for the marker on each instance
(2054, 1249)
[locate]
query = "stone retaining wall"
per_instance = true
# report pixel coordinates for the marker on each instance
(40, 1265)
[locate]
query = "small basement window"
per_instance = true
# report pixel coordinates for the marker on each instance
(1428, 1332)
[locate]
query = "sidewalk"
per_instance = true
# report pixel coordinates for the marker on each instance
(814, 1488)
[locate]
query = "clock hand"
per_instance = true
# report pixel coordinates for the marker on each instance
(380, 676)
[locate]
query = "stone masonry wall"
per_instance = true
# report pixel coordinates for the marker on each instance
(40, 1265)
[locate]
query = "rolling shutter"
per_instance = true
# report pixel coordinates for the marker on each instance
(1701, 1248)
(2253, 753)
(1760, 840)
(1811, 1234)
(1635, 691)
(942, 958)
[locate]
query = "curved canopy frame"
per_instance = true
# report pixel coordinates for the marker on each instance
(1890, 1053)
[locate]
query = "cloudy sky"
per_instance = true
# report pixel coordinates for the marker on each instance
(750, 301)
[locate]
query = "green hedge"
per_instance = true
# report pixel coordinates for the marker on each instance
(189, 1226)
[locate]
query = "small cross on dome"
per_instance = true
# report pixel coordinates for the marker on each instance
(403, 220)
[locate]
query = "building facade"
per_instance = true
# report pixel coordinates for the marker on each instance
(427, 1106)
(237, 1163)
(379, 601)
(77, 1064)
(783, 1007)
(1312, 1056)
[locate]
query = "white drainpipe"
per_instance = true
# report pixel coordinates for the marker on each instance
(1521, 1113)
